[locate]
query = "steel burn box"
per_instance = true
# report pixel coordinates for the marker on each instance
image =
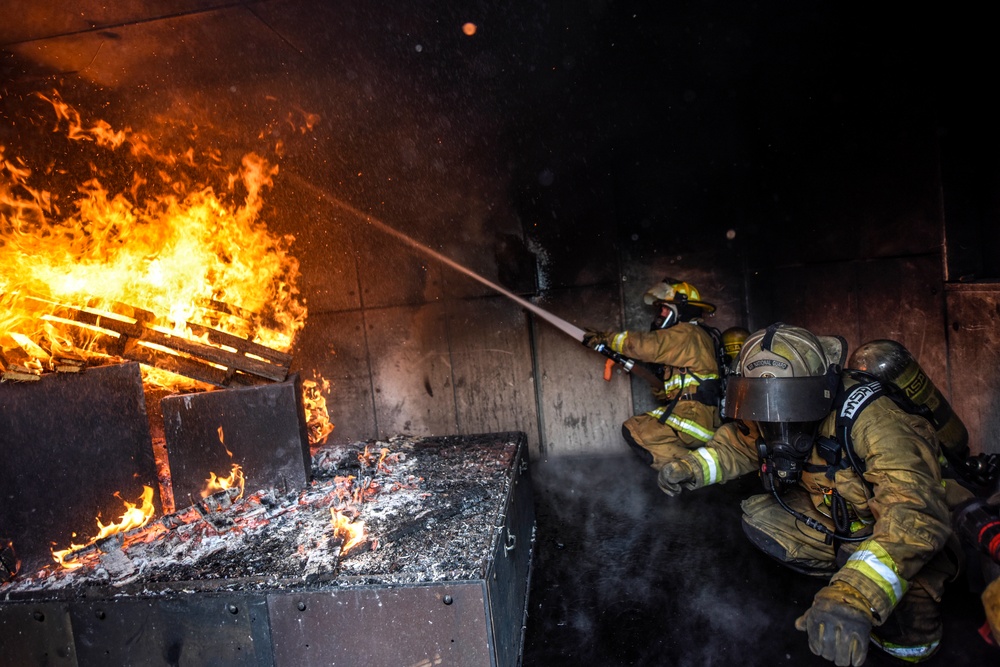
(440, 578)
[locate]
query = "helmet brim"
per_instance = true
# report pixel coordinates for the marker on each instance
(709, 308)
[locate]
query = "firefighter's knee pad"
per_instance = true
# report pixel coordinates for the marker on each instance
(644, 454)
(776, 532)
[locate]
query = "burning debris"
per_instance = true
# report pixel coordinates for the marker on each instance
(403, 511)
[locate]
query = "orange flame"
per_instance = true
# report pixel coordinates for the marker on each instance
(351, 532)
(317, 417)
(134, 517)
(214, 483)
(167, 248)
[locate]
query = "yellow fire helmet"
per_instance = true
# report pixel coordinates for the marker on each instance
(678, 292)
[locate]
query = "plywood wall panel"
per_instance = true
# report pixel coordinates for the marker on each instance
(974, 357)
(902, 299)
(411, 370)
(492, 367)
(333, 347)
(580, 412)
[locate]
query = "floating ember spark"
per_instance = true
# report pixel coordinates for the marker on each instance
(135, 516)
(351, 532)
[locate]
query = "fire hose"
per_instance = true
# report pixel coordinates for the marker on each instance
(575, 332)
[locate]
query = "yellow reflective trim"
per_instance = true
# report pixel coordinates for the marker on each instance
(709, 460)
(692, 428)
(875, 563)
(683, 381)
(618, 341)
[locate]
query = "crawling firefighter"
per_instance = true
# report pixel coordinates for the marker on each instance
(687, 350)
(855, 492)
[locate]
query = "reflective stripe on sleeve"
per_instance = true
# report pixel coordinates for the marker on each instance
(709, 460)
(618, 341)
(876, 564)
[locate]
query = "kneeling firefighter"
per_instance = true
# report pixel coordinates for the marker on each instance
(854, 493)
(687, 350)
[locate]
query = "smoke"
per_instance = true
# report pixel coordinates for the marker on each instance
(625, 575)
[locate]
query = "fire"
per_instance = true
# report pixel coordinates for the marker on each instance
(351, 532)
(235, 480)
(368, 459)
(317, 417)
(134, 516)
(178, 248)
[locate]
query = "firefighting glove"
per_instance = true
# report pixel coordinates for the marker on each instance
(678, 475)
(839, 623)
(594, 338)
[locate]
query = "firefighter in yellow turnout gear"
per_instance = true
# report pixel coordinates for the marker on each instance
(688, 414)
(871, 515)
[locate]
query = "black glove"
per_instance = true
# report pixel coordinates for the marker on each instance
(838, 624)
(676, 476)
(593, 338)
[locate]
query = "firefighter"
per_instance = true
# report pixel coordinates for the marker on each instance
(977, 523)
(854, 493)
(688, 413)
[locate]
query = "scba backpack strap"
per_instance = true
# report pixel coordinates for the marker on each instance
(851, 403)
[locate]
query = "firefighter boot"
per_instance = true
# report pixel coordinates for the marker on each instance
(913, 631)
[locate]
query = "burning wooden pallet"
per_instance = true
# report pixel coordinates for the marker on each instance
(200, 353)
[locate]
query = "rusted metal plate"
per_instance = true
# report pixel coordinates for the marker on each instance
(68, 444)
(205, 630)
(973, 357)
(491, 365)
(413, 625)
(580, 412)
(262, 429)
(411, 370)
(36, 633)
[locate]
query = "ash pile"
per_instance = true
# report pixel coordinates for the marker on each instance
(408, 510)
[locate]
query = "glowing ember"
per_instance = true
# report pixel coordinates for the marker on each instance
(351, 532)
(177, 249)
(135, 516)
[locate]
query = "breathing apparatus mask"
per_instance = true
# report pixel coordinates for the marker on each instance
(786, 383)
(677, 301)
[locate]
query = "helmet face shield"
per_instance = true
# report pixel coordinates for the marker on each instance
(784, 399)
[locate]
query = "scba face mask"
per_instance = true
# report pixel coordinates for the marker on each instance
(783, 448)
(668, 317)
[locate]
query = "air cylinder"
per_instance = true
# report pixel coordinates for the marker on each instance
(889, 361)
